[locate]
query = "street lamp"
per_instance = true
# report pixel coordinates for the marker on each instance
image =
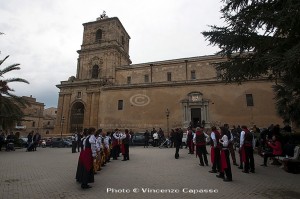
(168, 114)
(61, 126)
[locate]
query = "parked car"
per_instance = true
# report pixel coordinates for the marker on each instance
(23, 142)
(48, 141)
(60, 142)
(138, 139)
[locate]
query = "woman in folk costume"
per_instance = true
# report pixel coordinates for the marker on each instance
(116, 142)
(225, 161)
(125, 145)
(107, 140)
(85, 171)
(97, 163)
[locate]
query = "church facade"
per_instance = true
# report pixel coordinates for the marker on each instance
(109, 92)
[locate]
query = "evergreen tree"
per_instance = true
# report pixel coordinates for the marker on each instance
(261, 39)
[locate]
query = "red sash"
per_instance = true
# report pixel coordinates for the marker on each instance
(123, 149)
(223, 161)
(243, 154)
(212, 155)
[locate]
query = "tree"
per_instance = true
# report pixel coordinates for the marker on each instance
(261, 39)
(10, 111)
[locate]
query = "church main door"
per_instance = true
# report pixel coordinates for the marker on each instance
(77, 115)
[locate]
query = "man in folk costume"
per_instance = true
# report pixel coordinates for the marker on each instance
(189, 140)
(200, 142)
(85, 171)
(97, 165)
(225, 161)
(247, 143)
(125, 145)
(215, 150)
(116, 141)
(230, 144)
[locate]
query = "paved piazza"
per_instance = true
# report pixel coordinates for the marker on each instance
(50, 173)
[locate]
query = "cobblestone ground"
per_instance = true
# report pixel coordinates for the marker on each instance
(50, 173)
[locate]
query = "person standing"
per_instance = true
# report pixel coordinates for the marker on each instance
(147, 137)
(116, 142)
(78, 140)
(247, 142)
(215, 149)
(99, 148)
(200, 142)
(36, 140)
(85, 171)
(29, 141)
(225, 161)
(155, 139)
(177, 142)
(125, 142)
(189, 140)
(230, 143)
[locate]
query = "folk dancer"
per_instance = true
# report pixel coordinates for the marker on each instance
(97, 165)
(85, 172)
(107, 147)
(247, 143)
(215, 150)
(125, 145)
(199, 140)
(116, 144)
(225, 161)
(230, 143)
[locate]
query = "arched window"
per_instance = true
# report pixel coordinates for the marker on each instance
(95, 72)
(98, 35)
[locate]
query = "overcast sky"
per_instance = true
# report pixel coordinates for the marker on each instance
(44, 35)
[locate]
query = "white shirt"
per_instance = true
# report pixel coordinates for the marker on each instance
(106, 141)
(242, 138)
(155, 136)
(213, 137)
(224, 141)
(93, 140)
(99, 143)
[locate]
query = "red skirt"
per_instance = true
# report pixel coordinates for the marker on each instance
(223, 161)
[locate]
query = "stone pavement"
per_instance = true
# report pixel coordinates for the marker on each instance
(150, 173)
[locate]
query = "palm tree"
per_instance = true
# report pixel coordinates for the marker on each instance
(10, 111)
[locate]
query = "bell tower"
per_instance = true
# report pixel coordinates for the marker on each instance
(105, 46)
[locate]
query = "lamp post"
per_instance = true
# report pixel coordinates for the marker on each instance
(168, 114)
(61, 126)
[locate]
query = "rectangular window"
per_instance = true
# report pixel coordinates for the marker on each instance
(120, 105)
(249, 100)
(146, 78)
(193, 74)
(129, 80)
(78, 94)
(33, 124)
(169, 76)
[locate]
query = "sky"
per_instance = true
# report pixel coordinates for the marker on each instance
(44, 36)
